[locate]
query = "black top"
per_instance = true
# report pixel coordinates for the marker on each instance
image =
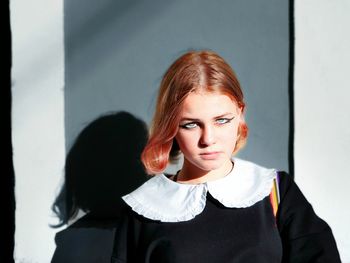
(221, 234)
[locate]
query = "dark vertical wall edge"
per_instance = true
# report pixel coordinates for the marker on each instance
(291, 88)
(8, 178)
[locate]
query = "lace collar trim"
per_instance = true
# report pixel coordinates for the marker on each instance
(162, 199)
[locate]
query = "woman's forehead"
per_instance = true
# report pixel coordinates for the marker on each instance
(211, 104)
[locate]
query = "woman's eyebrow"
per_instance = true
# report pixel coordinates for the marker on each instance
(192, 119)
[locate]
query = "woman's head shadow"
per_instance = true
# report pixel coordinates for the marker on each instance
(102, 165)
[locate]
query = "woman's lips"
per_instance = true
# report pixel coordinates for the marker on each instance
(210, 155)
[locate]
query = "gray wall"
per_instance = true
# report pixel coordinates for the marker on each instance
(116, 52)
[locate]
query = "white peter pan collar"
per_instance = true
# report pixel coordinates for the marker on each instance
(162, 199)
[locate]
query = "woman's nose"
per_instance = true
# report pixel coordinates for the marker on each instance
(208, 136)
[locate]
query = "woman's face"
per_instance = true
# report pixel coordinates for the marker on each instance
(208, 123)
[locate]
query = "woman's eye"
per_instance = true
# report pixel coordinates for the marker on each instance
(188, 125)
(224, 120)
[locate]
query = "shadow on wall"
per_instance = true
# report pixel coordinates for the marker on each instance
(102, 165)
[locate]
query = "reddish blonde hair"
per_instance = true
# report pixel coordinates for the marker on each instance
(194, 71)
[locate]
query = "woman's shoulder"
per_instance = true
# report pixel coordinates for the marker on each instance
(285, 181)
(306, 236)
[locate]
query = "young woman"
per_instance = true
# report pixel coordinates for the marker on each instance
(217, 208)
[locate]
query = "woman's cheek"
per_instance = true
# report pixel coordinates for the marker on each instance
(181, 141)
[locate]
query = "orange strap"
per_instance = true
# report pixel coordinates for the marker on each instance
(275, 195)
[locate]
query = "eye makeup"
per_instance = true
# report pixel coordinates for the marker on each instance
(186, 125)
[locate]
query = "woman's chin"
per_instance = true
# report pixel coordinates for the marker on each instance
(210, 165)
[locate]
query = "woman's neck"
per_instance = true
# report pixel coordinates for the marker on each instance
(192, 175)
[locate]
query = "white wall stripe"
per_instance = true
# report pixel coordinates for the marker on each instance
(322, 126)
(38, 123)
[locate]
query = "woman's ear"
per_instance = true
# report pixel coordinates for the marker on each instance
(241, 115)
